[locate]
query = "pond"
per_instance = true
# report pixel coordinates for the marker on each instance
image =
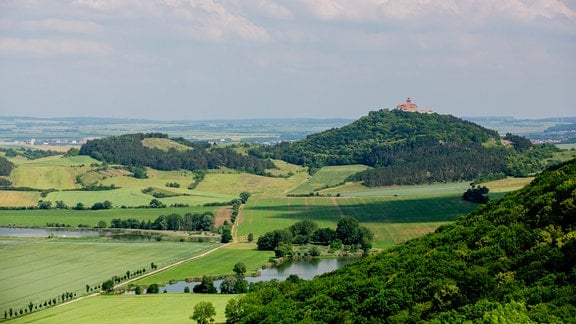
(74, 233)
(41, 232)
(304, 269)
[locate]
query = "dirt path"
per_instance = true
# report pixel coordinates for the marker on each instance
(166, 267)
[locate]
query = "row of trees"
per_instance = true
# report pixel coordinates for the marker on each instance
(348, 231)
(129, 150)
(172, 222)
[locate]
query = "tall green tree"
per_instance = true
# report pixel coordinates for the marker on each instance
(204, 313)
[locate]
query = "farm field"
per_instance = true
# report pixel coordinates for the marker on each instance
(219, 262)
(18, 198)
(162, 308)
(34, 270)
(39, 217)
(233, 183)
(392, 220)
(328, 176)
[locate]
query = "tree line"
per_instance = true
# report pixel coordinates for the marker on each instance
(348, 231)
(129, 150)
(172, 222)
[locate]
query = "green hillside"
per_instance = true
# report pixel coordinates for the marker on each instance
(406, 148)
(511, 261)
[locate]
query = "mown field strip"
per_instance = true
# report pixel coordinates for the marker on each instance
(163, 308)
(42, 268)
(219, 262)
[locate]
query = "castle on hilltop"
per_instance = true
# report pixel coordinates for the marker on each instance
(412, 107)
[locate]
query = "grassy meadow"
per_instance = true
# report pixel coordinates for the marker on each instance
(34, 270)
(162, 308)
(219, 262)
(329, 176)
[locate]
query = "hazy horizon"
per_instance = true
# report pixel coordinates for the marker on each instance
(224, 60)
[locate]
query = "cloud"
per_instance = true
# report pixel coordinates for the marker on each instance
(64, 26)
(432, 11)
(42, 47)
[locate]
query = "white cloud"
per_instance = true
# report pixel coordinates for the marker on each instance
(426, 11)
(64, 26)
(42, 47)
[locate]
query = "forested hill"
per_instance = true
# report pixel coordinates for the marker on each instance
(404, 147)
(511, 261)
(130, 150)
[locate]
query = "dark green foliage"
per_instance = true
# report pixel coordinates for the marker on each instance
(108, 285)
(323, 236)
(226, 236)
(476, 194)
(153, 289)
(6, 166)
(512, 260)
(395, 144)
(270, 240)
(102, 205)
(206, 286)
(172, 222)
(302, 231)
(244, 196)
(519, 143)
(129, 150)
(239, 269)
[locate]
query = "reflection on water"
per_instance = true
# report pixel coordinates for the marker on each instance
(305, 269)
(40, 232)
(69, 233)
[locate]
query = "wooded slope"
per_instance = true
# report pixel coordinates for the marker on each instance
(511, 261)
(403, 147)
(129, 150)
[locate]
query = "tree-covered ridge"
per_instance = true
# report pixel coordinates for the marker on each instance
(129, 150)
(511, 261)
(437, 147)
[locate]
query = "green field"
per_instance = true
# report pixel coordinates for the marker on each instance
(39, 217)
(392, 219)
(34, 270)
(329, 176)
(219, 262)
(163, 308)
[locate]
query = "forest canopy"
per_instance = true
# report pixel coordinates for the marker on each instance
(407, 148)
(129, 150)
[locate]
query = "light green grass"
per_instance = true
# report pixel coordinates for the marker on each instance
(162, 308)
(39, 218)
(235, 183)
(51, 172)
(34, 270)
(164, 144)
(218, 262)
(328, 176)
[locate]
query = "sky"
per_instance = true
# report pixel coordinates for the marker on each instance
(244, 59)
